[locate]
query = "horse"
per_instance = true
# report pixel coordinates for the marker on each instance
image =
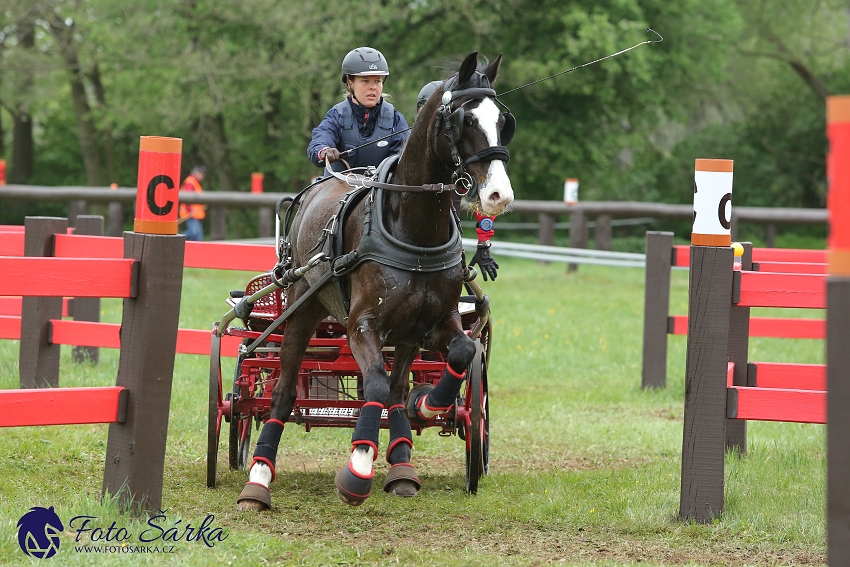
(455, 142)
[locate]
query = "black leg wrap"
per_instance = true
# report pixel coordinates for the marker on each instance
(401, 438)
(445, 394)
(267, 443)
(368, 426)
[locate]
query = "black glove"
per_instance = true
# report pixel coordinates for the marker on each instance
(485, 261)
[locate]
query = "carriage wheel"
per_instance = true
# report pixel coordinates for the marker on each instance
(240, 428)
(214, 410)
(478, 430)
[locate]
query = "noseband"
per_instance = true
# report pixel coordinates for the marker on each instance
(452, 122)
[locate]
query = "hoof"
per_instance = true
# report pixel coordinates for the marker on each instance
(254, 496)
(413, 400)
(402, 481)
(353, 489)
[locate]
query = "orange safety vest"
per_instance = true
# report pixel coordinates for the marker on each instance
(194, 211)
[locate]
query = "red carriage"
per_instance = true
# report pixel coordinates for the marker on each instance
(330, 384)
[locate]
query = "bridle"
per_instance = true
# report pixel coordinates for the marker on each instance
(450, 120)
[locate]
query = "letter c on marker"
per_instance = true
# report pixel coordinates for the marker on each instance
(169, 183)
(721, 211)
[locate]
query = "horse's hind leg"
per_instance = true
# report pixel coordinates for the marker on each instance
(424, 404)
(354, 481)
(401, 480)
(299, 329)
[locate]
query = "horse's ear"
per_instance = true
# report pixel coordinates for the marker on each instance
(467, 68)
(492, 69)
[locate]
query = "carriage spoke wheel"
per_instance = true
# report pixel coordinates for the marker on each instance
(478, 429)
(240, 428)
(214, 410)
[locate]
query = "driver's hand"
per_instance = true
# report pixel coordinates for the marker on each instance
(485, 260)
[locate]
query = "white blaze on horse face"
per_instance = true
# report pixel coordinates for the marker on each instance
(496, 192)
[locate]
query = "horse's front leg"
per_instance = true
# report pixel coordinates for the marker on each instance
(425, 402)
(354, 481)
(401, 479)
(256, 494)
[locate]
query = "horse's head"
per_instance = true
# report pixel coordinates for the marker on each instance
(469, 133)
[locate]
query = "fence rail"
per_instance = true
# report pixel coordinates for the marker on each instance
(606, 213)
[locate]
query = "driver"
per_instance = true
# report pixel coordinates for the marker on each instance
(483, 224)
(362, 117)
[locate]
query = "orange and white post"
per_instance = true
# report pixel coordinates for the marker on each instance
(838, 177)
(158, 185)
(571, 191)
(712, 202)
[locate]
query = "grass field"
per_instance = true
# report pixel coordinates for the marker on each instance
(585, 467)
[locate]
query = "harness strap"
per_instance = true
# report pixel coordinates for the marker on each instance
(490, 153)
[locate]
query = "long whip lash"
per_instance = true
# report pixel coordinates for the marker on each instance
(659, 40)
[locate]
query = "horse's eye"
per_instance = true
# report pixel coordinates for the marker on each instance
(467, 121)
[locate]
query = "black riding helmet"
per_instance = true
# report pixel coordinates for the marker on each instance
(364, 61)
(426, 93)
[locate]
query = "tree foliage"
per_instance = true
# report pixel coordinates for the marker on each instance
(243, 83)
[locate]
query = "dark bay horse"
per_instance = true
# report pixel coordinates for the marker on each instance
(410, 306)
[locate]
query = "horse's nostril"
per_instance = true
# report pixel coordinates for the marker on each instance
(495, 197)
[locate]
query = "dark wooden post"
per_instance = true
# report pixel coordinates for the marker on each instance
(734, 227)
(135, 450)
(603, 234)
(656, 305)
(115, 219)
(546, 229)
(738, 348)
(703, 444)
(87, 308)
(218, 223)
(264, 222)
(39, 359)
(770, 236)
(578, 233)
(75, 209)
(838, 412)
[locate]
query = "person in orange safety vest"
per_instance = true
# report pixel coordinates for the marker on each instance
(193, 214)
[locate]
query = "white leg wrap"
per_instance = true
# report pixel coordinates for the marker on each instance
(361, 461)
(427, 413)
(261, 473)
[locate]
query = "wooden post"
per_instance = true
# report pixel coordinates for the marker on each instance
(218, 223)
(770, 236)
(75, 209)
(264, 222)
(546, 229)
(135, 450)
(656, 305)
(603, 234)
(578, 233)
(39, 359)
(87, 308)
(738, 348)
(838, 333)
(709, 311)
(703, 443)
(115, 219)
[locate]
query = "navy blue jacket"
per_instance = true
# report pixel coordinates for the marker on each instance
(343, 128)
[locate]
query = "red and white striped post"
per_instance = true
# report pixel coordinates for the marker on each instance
(838, 331)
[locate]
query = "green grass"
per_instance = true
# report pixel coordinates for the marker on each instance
(585, 466)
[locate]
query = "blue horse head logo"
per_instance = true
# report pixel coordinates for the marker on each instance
(38, 532)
